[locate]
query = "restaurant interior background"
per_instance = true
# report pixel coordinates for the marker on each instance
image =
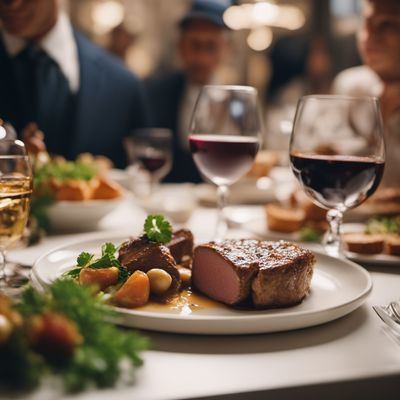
(299, 45)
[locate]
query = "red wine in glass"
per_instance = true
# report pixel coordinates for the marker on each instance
(337, 153)
(224, 138)
(223, 158)
(335, 179)
(152, 163)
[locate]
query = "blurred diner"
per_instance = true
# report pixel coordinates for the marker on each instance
(379, 45)
(202, 46)
(91, 72)
(81, 97)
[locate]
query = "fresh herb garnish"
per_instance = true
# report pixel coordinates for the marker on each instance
(158, 229)
(308, 234)
(84, 259)
(108, 259)
(95, 360)
(383, 225)
(62, 171)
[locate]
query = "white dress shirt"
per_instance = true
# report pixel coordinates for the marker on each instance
(59, 44)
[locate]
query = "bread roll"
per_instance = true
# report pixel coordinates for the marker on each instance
(283, 219)
(364, 243)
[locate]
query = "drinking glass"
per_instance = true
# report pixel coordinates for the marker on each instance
(150, 151)
(337, 153)
(224, 137)
(15, 193)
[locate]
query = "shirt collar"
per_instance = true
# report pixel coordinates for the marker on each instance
(59, 44)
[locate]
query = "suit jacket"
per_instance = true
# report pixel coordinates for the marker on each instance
(110, 103)
(165, 96)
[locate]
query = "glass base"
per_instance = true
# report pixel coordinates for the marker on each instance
(14, 279)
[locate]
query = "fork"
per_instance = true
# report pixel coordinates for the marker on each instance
(390, 315)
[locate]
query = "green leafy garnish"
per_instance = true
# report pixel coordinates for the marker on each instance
(108, 259)
(95, 361)
(383, 225)
(158, 229)
(108, 248)
(83, 259)
(308, 234)
(62, 171)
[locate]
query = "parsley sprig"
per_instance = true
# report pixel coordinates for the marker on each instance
(108, 259)
(158, 229)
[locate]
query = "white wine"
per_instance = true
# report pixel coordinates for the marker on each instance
(15, 193)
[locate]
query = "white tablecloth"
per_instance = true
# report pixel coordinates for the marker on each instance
(352, 357)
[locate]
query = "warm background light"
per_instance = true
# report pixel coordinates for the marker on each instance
(106, 15)
(259, 17)
(260, 38)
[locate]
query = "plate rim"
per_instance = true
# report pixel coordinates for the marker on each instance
(255, 314)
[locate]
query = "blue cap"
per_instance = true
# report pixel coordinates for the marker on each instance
(210, 10)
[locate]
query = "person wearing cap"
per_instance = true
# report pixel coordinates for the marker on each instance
(80, 96)
(379, 45)
(202, 47)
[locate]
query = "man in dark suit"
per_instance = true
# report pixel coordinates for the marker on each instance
(81, 97)
(202, 46)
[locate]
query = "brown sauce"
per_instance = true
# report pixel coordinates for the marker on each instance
(184, 303)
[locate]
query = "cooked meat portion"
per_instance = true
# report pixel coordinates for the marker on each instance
(284, 275)
(143, 254)
(274, 274)
(224, 270)
(181, 247)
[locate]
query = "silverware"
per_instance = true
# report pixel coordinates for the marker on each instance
(390, 315)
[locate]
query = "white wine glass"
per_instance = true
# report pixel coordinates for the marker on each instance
(224, 136)
(15, 193)
(337, 153)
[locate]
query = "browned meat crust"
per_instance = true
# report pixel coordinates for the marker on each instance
(143, 254)
(181, 247)
(277, 274)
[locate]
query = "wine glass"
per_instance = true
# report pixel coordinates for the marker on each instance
(337, 153)
(15, 193)
(150, 152)
(225, 135)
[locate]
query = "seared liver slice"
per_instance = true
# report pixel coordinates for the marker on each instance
(143, 254)
(181, 247)
(274, 274)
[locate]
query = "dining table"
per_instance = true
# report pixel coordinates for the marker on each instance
(353, 357)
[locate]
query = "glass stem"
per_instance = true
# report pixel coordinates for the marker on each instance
(2, 265)
(222, 226)
(332, 241)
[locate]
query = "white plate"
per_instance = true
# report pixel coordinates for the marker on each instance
(338, 287)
